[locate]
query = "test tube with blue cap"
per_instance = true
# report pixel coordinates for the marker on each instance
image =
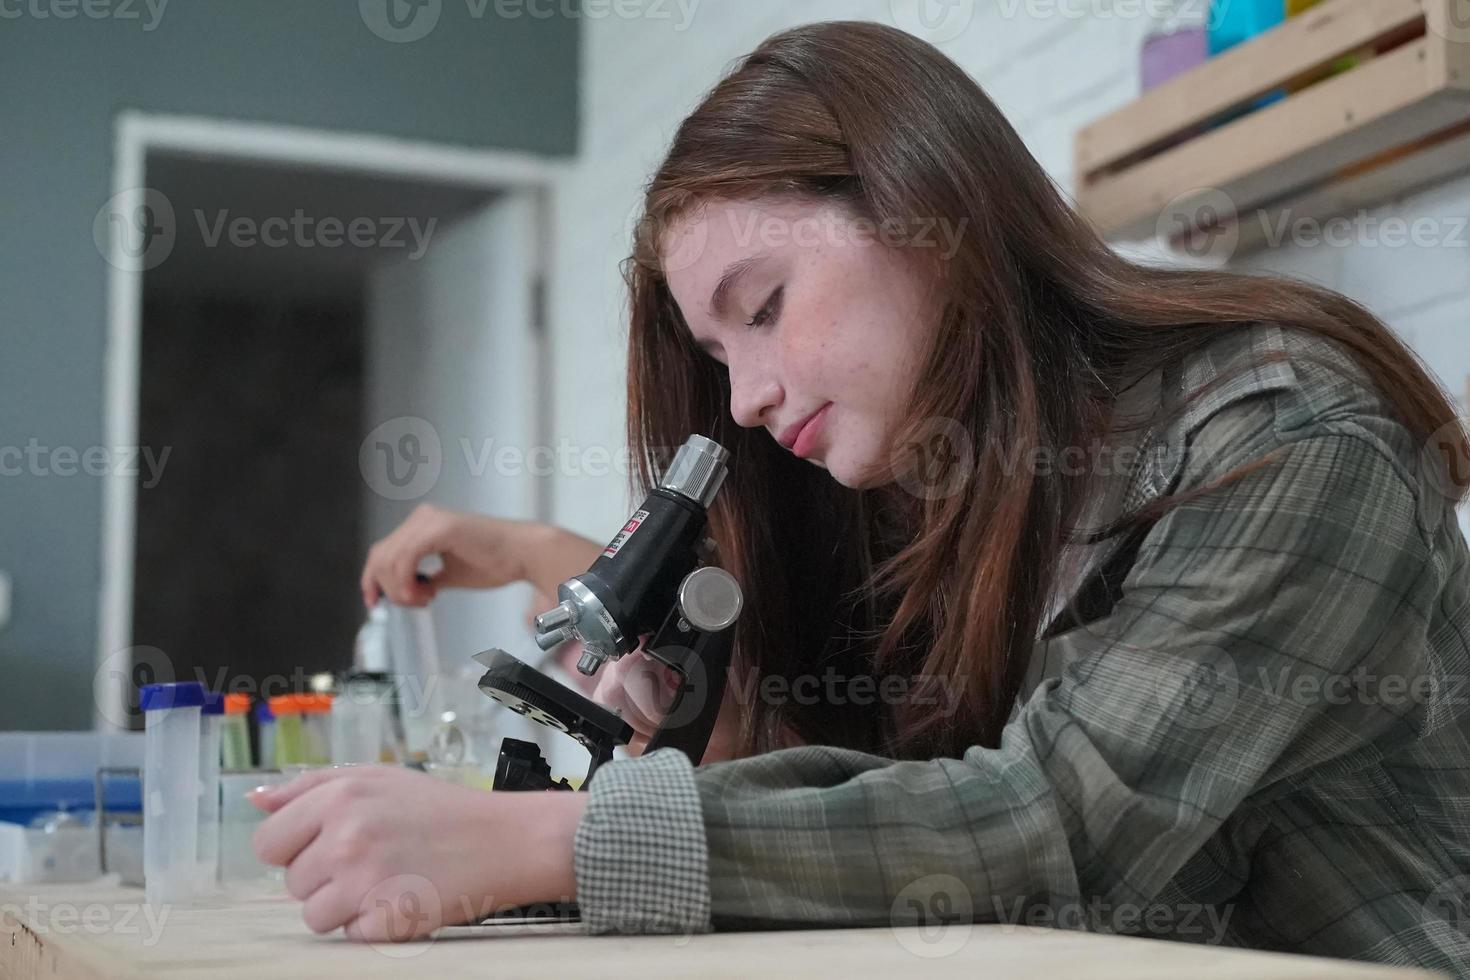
(171, 791)
(212, 714)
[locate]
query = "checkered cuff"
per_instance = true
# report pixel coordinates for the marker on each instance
(639, 852)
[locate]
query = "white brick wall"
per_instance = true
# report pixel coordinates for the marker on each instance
(1051, 65)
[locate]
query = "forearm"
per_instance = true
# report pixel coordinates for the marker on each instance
(552, 826)
(552, 554)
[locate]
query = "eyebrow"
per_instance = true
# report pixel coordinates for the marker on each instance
(733, 274)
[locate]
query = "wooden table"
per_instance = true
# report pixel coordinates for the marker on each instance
(79, 932)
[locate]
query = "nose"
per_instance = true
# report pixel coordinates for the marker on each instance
(755, 394)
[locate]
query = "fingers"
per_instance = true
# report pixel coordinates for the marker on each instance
(391, 567)
(291, 828)
(311, 870)
(272, 798)
(329, 907)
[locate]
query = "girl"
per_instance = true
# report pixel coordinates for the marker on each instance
(1078, 592)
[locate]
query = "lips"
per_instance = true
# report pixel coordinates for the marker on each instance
(810, 431)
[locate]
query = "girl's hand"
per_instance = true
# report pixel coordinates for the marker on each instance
(479, 552)
(641, 689)
(390, 854)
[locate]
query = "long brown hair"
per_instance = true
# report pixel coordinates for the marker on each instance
(1042, 325)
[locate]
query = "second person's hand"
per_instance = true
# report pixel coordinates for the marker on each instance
(479, 552)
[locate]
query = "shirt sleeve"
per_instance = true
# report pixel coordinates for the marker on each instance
(1183, 702)
(639, 853)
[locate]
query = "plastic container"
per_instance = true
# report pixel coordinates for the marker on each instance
(316, 723)
(238, 820)
(211, 720)
(265, 735)
(290, 740)
(234, 743)
(41, 772)
(303, 729)
(1176, 43)
(1339, 65)
(172, 789)
(362, 720)
(1235, 21)
(413, 653)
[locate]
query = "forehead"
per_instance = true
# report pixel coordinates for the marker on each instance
(699, 245)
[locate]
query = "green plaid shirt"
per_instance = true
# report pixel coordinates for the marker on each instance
(1264, 742)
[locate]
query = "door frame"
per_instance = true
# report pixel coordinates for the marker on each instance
(136, 134)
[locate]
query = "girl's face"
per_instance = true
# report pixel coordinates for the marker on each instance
(819, 322)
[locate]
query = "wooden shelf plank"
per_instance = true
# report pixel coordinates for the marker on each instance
(1244, 72)
(1295, 143)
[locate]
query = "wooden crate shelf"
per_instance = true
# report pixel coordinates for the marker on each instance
(1398, 119)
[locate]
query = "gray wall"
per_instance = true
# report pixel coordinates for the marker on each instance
(486, 81)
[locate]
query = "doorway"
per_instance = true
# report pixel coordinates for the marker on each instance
(282, 303)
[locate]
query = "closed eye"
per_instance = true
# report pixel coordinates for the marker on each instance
(767, 312)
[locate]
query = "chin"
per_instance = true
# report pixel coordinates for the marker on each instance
(854, 478)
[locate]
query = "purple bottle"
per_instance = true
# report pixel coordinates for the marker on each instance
(1175, 43)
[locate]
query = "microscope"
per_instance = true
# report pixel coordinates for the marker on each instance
(648, 581)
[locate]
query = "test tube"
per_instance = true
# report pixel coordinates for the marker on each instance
(265, 735)
(316, 727)
(290, 739)
(234, 733)
(362, 721)
(171, 791)
(211, 717)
